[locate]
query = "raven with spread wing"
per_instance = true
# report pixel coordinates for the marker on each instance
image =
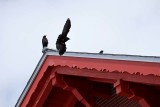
(62, 38)
(44, 41)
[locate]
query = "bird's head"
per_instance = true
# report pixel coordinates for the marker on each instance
(44, 36)
(68, 18)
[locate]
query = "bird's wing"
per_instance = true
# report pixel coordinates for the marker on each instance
(66, 27)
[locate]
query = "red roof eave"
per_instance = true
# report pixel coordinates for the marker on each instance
(128, 70)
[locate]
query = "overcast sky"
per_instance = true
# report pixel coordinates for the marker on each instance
(116, 26)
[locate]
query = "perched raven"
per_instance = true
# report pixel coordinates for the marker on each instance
(44, 41)
(62, 38)
(101, 52)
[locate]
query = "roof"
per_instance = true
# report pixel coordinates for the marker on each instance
(116, 57)
(107, 56)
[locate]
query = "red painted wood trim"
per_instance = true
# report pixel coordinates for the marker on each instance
(105, 76)
(61, 83)
(35, 83)
(131, 67)
(43, 93)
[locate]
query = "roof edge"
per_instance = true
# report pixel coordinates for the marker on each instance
(124, 57)
(34, 74)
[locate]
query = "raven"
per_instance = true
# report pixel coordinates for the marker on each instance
(62, 38)
(101, 52)
(44, 41)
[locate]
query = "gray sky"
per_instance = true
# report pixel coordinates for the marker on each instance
(116, 26)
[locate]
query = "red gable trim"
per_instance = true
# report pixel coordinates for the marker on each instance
(98, 65)
(131, 67)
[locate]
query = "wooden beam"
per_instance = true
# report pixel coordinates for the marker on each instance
(44, 92)
(114, 76)
(123, 89)
(142, 102)
(80, 97)
(62, 84)
(34, 83)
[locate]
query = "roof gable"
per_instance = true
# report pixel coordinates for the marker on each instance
(106, 68)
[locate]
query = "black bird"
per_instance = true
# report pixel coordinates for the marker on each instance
(44, 41)
(101, 52)
(62, 38)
